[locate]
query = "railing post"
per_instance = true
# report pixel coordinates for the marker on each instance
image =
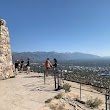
(106, 99)
(44, 77)
(109, 98)
(55, 77)
(58, 81)
(80, 90)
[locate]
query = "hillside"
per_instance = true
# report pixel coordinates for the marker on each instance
(41, 56)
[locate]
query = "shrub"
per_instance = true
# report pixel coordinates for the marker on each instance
(58, 96)
(94, 103)
(53, 107)
(58, 107)
(66, 87)
(48, 100)
(101, 90)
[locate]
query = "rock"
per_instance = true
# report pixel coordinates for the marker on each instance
(5, 52)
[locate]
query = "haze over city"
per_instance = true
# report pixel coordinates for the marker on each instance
(58, 25)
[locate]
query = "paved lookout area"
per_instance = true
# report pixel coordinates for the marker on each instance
(26, 92)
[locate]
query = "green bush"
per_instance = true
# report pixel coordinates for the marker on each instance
(58, 96)
(58, 107)
(66, 87)
(48, 100)
(94, 103)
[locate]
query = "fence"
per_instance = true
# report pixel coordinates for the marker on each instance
(105, 86)
(85, 81)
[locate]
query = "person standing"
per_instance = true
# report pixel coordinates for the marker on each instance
(28, 66)
(55, 72)
(55, 63)
(48, 65)
(57, 76)
(16, 67)
(21, 65)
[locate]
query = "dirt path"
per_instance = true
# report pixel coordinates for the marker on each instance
(25, 92)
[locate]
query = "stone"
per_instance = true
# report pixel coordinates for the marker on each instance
(6, 70)
(2, 22)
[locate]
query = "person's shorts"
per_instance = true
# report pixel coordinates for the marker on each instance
(28, 67)
(21, 66)
(16, 67)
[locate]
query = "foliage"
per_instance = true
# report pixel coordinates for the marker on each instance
(66, 87)
(57, 107)
(101, 90)
(58, 96)
(48, 100)
(94, 103)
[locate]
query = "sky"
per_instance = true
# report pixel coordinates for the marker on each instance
(58, 25)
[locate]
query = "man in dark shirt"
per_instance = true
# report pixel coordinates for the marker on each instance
(16, 66)
(22, 64)
(28, 66)
(55, 63)
(55, 74)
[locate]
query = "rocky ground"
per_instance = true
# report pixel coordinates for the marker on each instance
(28, 92)
(67, 102)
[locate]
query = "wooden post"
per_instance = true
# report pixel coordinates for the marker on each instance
(58, 81)
(106, 99)
(80, 90)
(44, 77)
(55, 78)
(109, 98)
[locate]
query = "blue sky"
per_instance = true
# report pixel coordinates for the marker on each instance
(58, 25)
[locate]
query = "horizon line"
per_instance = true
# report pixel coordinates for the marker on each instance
(58, 52)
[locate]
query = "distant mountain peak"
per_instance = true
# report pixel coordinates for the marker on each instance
(35, 56)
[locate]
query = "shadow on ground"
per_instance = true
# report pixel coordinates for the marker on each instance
(32, 76)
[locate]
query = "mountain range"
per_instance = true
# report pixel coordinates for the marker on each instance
(41, 56)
